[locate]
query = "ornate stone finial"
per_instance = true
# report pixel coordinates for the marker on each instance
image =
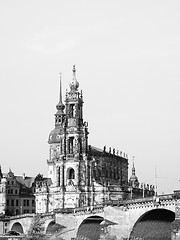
(74, 83)
(113, 151)
(117, 152)
(81, 95)
(110, 150)
(74, 70)
(104, 149)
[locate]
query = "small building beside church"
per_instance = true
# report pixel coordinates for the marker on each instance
(16, 194)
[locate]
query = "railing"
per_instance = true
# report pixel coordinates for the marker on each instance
(115, 203)
(149, 199)
(20, 216)
(79, 209)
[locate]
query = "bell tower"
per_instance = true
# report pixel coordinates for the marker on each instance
(68, 163)
(76, 129)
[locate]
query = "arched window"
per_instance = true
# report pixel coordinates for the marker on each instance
(71, 174)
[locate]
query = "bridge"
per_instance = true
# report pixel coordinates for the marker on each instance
(118, 219)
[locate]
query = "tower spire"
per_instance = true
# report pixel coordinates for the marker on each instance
(133, 168)
(133, 179)
(60, 90)
(74, 71)
(60, 106)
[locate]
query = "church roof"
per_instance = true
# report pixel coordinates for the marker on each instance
(54, 135)
(95, 150)
(98, 152)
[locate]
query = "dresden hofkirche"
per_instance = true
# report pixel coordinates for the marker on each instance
(81, 175)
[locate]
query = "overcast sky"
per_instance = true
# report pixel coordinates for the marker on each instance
(127, 56)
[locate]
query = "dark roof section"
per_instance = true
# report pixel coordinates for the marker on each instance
(95, 151)
(27, 181)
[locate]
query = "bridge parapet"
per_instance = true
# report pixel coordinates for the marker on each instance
(81, 210)
(166, 201)
(19, 216)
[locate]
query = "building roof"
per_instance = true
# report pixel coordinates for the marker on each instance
(27, 181)
(23, 180)
(54, 136)
(98, 152)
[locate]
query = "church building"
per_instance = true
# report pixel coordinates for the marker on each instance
(81, 175)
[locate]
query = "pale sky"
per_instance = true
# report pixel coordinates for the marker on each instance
(127, 56)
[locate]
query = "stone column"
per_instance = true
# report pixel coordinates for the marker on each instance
(67, 145)
(61, 175)
(77, 174)
(57, 176)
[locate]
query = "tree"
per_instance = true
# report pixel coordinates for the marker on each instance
(36, 231)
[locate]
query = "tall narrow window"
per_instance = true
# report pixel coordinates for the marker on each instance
(61, 147)
(71, 144)
(71, 110)
(59, 171)
(80, 145)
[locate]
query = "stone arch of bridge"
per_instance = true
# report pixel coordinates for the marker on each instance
(17, 227)
(155, 222)
(49, 226)
(90, 227)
